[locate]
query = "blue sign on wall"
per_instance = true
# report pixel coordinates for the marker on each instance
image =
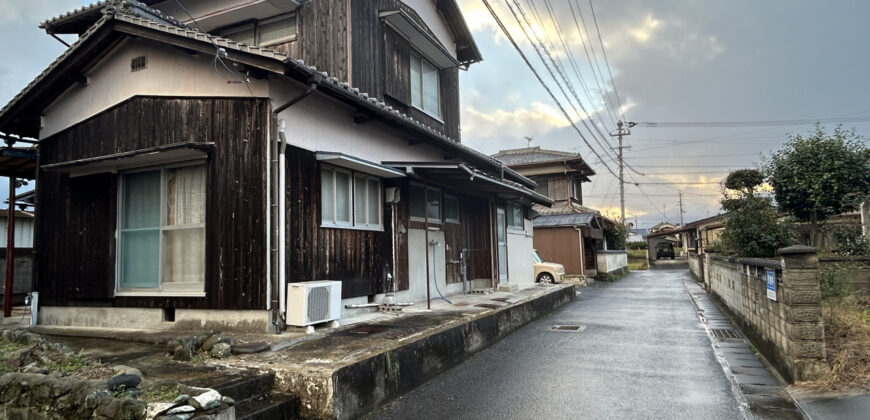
(771, 285)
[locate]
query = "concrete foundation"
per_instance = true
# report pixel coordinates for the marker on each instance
(155, 319)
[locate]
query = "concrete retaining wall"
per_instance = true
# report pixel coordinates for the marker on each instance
(612, 262)
(357, 388)
(789, 330)
(695, 265)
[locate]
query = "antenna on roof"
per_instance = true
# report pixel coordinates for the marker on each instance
(528, 141)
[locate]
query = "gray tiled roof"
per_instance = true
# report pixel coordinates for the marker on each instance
(581, 219)
(532, 155)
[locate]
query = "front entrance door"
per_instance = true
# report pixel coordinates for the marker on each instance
(501, 238)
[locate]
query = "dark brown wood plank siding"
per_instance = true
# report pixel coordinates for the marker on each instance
(76, 227)
(360, 259)
(369, 62)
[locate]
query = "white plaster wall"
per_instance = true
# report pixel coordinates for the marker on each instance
(521, 269)
(322, 124)
(23, 232)
(417, 250)
(170, 73)
(429, 13)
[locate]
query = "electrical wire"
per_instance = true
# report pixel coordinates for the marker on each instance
(761, 123)
(220, 54)
(584, 34)
(606, 62)
(606, 147)
(544, 85)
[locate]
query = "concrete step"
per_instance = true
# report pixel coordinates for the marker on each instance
(273, 406)
(244, 388)
(256, 401)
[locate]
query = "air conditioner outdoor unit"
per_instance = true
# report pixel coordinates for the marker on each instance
(313, 302)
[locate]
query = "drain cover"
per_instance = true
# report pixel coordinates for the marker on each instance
(568, 328)
(725, 333)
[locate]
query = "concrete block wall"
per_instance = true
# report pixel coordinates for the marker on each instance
(612, 262)
(788, 330)
(695, 266)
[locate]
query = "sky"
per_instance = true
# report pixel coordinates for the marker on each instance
(670, 60)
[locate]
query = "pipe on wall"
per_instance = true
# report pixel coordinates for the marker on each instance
(279, 187)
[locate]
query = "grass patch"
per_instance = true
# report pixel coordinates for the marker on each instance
(638, 266)
(70, 364)
(847, 341)
(9, 352)
(637, 253)
(162, 393)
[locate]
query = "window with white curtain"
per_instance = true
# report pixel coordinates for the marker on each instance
(424, 85)
(162, 230)
(350, 199)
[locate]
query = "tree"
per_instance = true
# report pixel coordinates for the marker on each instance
(819, 175)
(753, 227)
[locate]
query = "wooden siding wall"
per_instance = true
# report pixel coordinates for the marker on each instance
(321, 38)
(360, 259)
(370, 42)
(77, 216)
(560, 245)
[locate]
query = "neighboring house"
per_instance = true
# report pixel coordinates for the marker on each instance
(186, 178)
(23, 251)
(694, 236)
(567, 233)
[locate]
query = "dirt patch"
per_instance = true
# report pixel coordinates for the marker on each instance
(847, 339)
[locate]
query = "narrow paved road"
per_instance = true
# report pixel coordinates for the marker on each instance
(643, 354)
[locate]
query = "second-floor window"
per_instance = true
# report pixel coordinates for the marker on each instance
(263, 33)
(424, 85)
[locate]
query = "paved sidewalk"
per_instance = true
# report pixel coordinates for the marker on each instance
(756, 385)
(853, 407)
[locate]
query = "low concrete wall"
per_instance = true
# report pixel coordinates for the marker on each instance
(695, 265)
(358, 388)
(860, 281)
(612, 262)
(789, 330)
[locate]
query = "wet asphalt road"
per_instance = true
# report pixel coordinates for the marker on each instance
(643, 354)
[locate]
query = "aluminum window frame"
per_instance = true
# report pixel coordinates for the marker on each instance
(185, 289)
(426, 195)
(354, 224)
(422, 106)
(255, 25)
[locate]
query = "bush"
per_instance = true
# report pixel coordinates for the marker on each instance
(753, 228)
(637, 245)
(615, 236)
(850, 240)
(832, 279)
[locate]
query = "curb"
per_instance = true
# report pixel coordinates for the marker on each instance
(356, 389)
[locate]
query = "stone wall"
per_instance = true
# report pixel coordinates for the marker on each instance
(860, 281)
(789, 330)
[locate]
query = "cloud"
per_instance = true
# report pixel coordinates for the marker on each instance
(646, 30)
(539, 119)
(33, 11)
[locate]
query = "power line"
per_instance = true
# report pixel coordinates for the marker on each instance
(761, 123)
(544, 85)
(606, 62)
(537, 41)
(584, 35)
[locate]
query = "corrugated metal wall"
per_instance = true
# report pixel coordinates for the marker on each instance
(23, 231)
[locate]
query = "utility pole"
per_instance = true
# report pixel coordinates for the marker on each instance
(622, 129)
(681, 209)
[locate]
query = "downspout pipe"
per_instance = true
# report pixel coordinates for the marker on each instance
(279, 191)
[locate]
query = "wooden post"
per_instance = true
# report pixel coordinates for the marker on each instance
(10, 248)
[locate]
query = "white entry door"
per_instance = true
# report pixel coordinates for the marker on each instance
(501, 238)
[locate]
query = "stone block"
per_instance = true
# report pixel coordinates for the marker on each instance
(804, 314)
(800, 278)
(809, 369)
(806, 331)
(802, 295)
(807, 349)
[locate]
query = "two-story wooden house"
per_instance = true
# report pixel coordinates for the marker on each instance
(567, 232)
(197, 156)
